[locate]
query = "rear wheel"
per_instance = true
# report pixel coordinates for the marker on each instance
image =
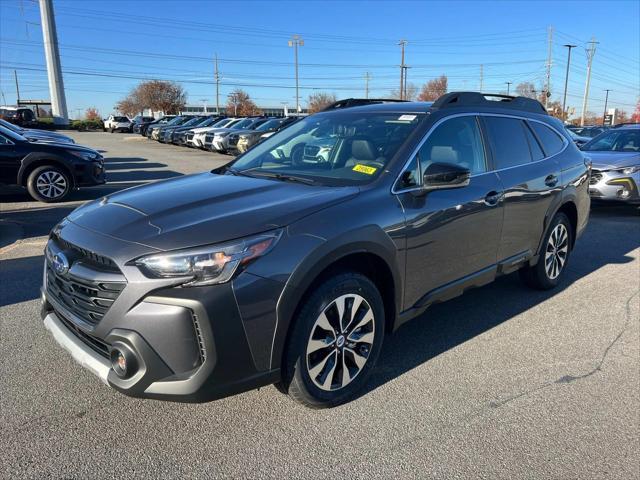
(49, 184)
(554, 256)
(335, 342)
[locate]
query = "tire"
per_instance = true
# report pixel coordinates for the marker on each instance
(315, 375)
(554, 256)
(297, 153)
(49, 184)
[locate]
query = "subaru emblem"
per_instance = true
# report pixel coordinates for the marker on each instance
(60, 263)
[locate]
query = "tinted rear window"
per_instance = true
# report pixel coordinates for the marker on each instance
(536, 151)
(120, 119)
(508, 140)
(551, 141)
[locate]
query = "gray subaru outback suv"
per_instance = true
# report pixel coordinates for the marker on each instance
(292, 269)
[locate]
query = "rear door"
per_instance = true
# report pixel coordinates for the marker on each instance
(530, 181)
(452, 235)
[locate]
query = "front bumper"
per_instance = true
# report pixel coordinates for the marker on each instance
(189, 344)
(89, 174)
(609, 185)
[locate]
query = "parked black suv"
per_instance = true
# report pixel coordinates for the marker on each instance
(292, 270)
(50, 171)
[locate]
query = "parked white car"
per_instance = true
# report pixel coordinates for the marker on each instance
(200, 133)
(116, 123)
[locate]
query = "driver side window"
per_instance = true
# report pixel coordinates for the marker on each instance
(456, 141)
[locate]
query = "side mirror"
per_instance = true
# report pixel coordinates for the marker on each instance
(440, 176)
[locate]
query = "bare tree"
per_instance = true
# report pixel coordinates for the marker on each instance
(410, 94)
(526, 89)
(241, 104)
(320, 100)
(434, 89)
(129, 106)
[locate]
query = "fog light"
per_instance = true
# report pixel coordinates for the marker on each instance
(123, 362)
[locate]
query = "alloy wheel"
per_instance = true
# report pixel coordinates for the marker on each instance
(557, 251)
(51, 184)
(340, 342)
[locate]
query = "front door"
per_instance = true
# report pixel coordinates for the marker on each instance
(451, 234)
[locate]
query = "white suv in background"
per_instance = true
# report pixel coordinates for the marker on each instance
(200, 133)
(116, 123)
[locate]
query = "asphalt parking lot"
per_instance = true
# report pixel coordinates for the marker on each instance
(504, 382)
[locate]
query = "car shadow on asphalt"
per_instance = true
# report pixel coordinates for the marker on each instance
(445, 326)
(21, 279)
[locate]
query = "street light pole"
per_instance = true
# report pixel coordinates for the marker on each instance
(402, 44)
(296, 42)
(508, 86)
(606, 101)
(566, 82)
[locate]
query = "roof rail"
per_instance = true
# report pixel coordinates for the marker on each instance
(624, 124)
(357, 102)
(466, 99)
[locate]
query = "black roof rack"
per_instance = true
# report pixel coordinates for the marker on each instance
(467, 99)
(357, 102)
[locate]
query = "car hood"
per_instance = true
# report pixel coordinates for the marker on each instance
(204, 208)
(43, 138)
(612, 160)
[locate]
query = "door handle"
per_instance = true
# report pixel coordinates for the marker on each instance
(492, 198)
(551, 181)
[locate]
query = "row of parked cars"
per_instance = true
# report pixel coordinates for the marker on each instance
(230, 135)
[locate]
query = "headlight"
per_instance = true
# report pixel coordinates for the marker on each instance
(84, 155)
(211, 264)
(629, 170)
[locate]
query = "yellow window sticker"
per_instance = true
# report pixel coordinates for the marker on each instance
(364, 169)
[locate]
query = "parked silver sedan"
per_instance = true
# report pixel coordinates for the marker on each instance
(615, 157)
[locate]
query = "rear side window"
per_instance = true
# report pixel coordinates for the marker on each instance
(536, 151)
(551, 141)
(509, 141)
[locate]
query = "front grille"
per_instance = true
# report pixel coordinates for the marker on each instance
(87, 299)
(93, 342)
(89, 287)
(596, 176)
(233, 139)
(190, 136)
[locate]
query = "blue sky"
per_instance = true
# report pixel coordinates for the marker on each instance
(109, 46)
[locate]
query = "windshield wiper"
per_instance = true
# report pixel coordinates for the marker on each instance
(284, 177)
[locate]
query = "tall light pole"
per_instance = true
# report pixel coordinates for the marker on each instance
(566, 82)
(367, 77)
(508, 86)
(217, 77)
(591, 51)
(54, 69)
(296, 42)
(606, 101)
(402, 44)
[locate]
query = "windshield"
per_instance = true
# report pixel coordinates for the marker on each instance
(242, 124)
(275, 123)
(209, 121)
(120, 119)
(332, 148)
(193, 121)
(627, 140)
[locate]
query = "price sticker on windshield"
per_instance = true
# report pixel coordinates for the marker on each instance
(365, 169)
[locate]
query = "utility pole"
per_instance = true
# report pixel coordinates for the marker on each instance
(15, 75)
(406, 91)
(367, 77)
(481, 77)
(402, 44)
(296, 42)
(508, 86)
(566, 82)
(591, 51)
(547, 89)
(606, 101)
(54, 69)
(217, 77)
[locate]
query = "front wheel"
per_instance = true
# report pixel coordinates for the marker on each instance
(554, 256)
(48, 184)
(335, 343)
